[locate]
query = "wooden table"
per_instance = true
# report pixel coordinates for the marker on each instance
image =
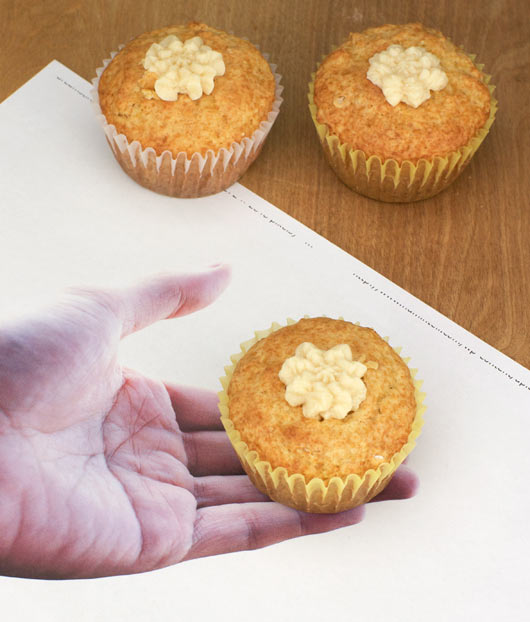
(465, 252)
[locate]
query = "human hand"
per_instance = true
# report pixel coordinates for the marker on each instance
(104, 471)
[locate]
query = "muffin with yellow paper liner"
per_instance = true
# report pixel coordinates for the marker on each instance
(186, 109)
(321, 412)
(400, 111)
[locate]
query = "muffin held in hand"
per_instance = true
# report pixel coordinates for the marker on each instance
(400, 111)
(321, 412)
(186, 109)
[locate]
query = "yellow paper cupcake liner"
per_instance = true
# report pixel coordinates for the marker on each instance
(388, 180)
(291, 489)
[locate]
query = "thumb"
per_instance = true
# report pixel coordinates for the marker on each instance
(168, 296)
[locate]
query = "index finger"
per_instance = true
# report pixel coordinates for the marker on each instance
(195, 409)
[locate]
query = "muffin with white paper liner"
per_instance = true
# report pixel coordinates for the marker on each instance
(320, 412)
(400, 111)
(186, 109)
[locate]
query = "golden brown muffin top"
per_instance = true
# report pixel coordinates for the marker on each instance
(281, 435)
(355, 109)
(240, 101)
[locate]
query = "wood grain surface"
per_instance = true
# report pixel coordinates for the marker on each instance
(465, 252)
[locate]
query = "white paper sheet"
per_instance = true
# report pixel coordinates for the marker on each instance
(458, 550)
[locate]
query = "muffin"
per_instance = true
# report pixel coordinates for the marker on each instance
(400, 111)
(321, 412)
(186, 109)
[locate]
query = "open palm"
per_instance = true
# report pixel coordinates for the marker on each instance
(104, 471)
